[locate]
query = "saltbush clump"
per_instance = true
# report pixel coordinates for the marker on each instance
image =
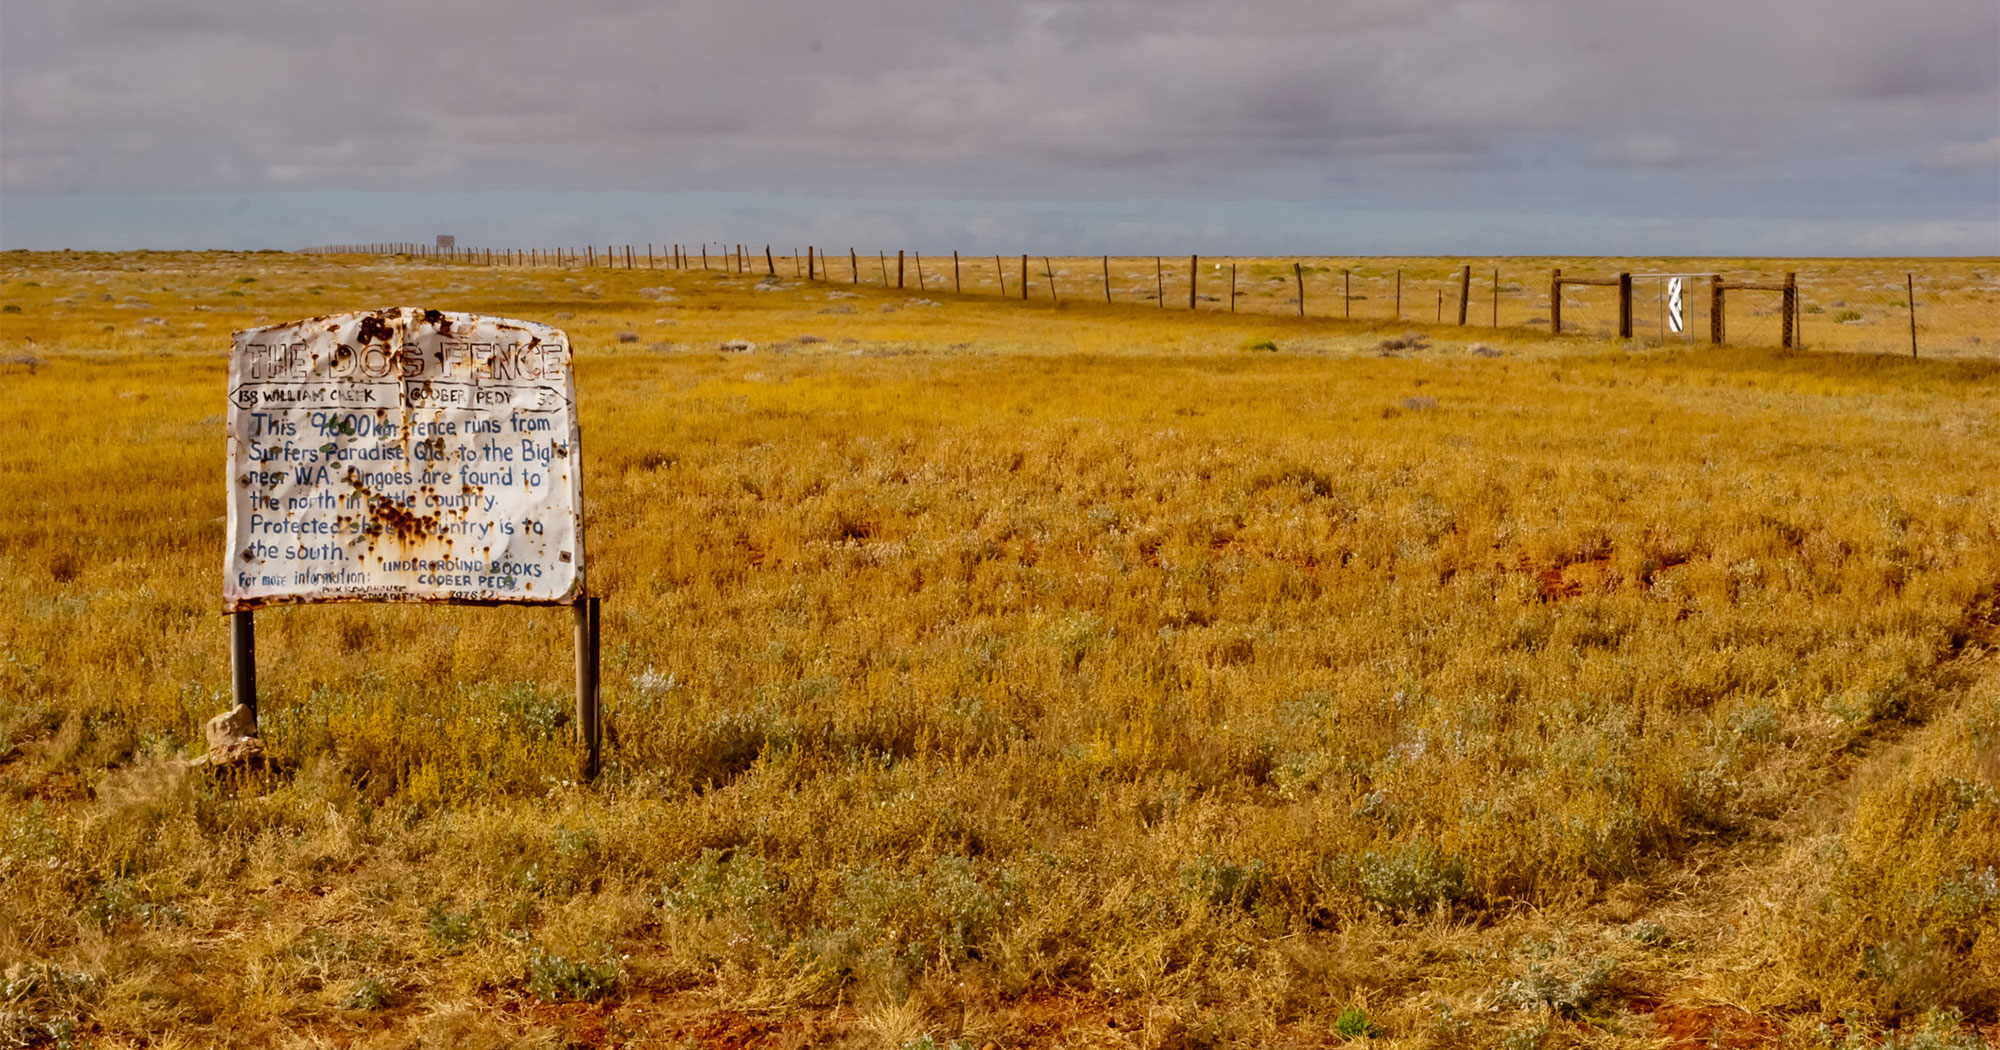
(1411, 881)
(559, 978)
(1224, 882)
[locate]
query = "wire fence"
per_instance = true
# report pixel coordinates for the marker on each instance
(1442, 292)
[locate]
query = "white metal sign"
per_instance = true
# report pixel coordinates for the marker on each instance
(1674, 323)
(403, 455)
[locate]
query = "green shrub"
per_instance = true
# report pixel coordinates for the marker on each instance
(1353, 1023)
(1224, 883)
(1650, 934)
(369, 994)
(558, 978)
(717, 884)
(450, 929)
(1412, 880)
(1565, 994)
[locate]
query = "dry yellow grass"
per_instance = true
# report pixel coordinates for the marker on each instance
(1049, 676)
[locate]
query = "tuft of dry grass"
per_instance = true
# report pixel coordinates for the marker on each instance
(989, 671)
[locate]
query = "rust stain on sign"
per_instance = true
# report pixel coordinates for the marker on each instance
(402, 455)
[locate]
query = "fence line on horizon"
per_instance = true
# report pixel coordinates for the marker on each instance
(1223, 292)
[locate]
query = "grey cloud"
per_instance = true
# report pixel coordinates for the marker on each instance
(1982, 157)
(1386, 100)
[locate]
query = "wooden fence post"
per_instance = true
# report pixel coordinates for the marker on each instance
(770, 263)
(1299, 277)
(1496, 297)
(1106, 262)
(1194, 267)
(1347, 294)
(1788, 326)
(920, 271)
(1000, 274)
(1910, 288)
(1159, 283)
(1715, 309)
(1624, 306)
(1556, 301)
(882, 263)
(1024, 277)
(957, 285)
(1798, 322)
(1464, 292)
(1232, 287)
(853, 267)
(810, 270)
(1051, 274)
(899, 268)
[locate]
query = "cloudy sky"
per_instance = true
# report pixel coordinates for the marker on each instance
(1364, 126)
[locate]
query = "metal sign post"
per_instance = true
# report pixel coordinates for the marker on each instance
(589, 720)
(243, 661)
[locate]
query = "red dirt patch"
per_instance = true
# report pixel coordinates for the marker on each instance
(1718, 1027)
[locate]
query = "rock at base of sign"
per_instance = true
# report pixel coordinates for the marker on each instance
(232, 740)
(738, 346)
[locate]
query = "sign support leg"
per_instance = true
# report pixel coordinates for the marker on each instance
(589, 723)
(243, 661)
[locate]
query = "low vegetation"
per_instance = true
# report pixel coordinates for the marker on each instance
(1013, 673)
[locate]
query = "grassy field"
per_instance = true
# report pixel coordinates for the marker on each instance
(981, 671)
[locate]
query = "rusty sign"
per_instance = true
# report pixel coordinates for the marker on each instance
(403, 455)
